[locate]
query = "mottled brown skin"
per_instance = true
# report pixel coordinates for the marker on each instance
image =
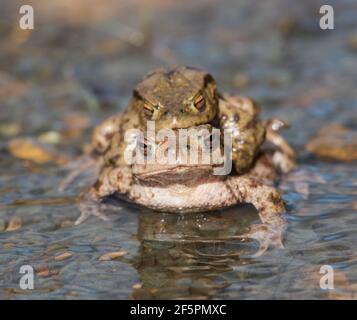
(177, 98)
(239, 115)
(194, 188)
(189, 188)
(181, 98)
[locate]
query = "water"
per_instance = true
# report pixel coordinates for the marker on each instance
(72, 71)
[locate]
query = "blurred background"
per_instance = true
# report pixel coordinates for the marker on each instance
(79, 65)
(87, 55)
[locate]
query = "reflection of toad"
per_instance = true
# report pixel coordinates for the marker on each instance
(185, 255)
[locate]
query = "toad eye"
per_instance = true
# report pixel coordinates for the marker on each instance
(148, 109)
(152, 111)
(199, 103)
(196, 105)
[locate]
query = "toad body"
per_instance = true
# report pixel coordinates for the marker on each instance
(187, 98)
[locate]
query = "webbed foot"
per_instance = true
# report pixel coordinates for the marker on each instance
(90, 208)
(268, 236)
(90, 204)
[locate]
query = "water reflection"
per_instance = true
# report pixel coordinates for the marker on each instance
(186, 256)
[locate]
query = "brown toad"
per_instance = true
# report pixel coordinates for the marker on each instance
(187, 98)
(181, 98)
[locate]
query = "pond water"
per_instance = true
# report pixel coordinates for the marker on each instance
(79, 65)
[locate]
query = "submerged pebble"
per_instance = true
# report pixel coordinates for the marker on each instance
(66, 223)
(112, 255)
(52, 137)
(46, 271)
(336, 142)
(30, 149)
(15, 223)
(10, 129)
(63, 256)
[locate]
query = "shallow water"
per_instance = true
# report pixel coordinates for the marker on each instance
(73, 69)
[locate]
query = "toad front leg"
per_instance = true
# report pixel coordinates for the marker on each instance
(104, 133)
(270, 206)
(283, 155)
(110, 181)
(240, 117)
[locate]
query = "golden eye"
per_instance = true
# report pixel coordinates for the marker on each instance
(152, 112)
(199, 103)
(148, 109)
